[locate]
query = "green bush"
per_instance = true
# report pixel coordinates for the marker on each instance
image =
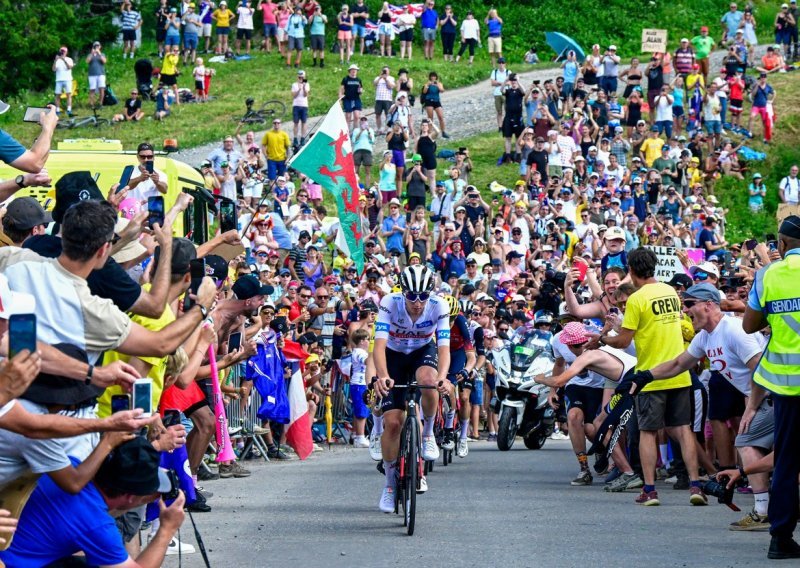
(33, 31)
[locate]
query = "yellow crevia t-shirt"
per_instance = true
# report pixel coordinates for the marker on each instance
(653, 312)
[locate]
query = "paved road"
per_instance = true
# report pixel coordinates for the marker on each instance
(490, 509)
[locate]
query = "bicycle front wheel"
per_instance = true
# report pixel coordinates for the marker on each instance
(272, 109)
(412, 472)
(101, 122)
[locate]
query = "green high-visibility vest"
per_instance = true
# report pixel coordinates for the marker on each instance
(779, 296)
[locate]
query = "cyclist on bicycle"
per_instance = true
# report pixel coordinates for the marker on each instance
(462, 361)
(404, 334)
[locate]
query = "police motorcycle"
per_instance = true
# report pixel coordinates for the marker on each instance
(521, 402)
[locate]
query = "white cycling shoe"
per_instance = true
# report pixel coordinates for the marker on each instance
(386, 504)
(463, 448)
(375, 447)
(423, 485)
(430, 451)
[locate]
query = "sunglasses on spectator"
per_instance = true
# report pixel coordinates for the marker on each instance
(322, 297)
(261, 254)
(700, 275)
(147, 156)
(291, 289)
(421, 297)
(305, 295)
(691, 303)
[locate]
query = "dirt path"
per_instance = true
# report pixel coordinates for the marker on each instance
(468, 111)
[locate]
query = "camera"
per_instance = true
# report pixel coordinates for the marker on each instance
(721, 492)
(175, 486)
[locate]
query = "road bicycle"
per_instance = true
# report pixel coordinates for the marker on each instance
(268, 111)
(409, 461)
(94, 121)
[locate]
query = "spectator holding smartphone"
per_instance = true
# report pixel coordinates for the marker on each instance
(96, 61)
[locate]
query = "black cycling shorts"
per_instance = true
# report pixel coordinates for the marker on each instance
(588, 399)
(725, 401)
(403, 367)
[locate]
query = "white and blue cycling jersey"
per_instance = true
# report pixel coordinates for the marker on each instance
(404, 335)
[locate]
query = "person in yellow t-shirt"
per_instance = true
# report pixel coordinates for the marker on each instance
(651, 147)
(653, 322)
(276, 145)
(222, 16)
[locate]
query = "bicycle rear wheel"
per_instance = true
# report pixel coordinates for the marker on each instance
(412, 472)
(272, 109)
(102, 122)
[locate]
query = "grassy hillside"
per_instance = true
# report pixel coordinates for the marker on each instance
(265, 77)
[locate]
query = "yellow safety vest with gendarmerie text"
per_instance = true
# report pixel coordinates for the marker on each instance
(779, 296)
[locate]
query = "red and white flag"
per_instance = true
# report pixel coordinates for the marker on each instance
(298, 434)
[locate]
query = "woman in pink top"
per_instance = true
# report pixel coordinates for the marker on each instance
(268, 9)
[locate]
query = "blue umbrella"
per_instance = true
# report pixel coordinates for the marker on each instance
(561, 44)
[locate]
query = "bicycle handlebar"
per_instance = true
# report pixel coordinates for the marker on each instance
(410, 385)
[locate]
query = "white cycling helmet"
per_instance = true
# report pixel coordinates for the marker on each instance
(417, 279)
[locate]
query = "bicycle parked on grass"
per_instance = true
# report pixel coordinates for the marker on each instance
(75, 122)
(268, 111)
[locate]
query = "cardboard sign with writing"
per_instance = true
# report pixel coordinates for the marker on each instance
(654, 41)
(669, 264)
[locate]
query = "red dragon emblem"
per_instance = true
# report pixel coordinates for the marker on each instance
(345, 170)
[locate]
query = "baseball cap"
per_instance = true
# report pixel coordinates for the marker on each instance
(216, 267)
(284, 272)
(704, 29)
(14, 302)
(517, 298)
(304, 235)
(501, 59)
(514, 254)
(574, 333)
(353, 66)
(248, 286)
(707, 267)
(680, 280)
(183, 252)
(133, 468)
(72, 188)
(394, 201)
(26, 213)
(614, 233)
(704, 292)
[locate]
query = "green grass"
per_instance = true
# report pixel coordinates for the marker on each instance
(263, 78)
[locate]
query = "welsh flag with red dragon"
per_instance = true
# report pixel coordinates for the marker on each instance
(327, 158)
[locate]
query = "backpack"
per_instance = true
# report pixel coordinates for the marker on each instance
(109, 98)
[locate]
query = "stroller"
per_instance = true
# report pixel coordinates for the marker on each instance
(144, 78)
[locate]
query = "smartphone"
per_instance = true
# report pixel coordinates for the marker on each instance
(171, 417)
(21, 333)
(155, 211)
(148, 165)
(120, 402)
(613, 311)
(227, 216)
(197, 271)
(125, 178)
(33, 114)
(143, 396)
(582, 268)
(773, 245)
(751, 244)
(234, 341)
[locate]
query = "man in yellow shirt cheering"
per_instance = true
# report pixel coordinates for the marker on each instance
(653, 322)
(276, 145)
(651, 147)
